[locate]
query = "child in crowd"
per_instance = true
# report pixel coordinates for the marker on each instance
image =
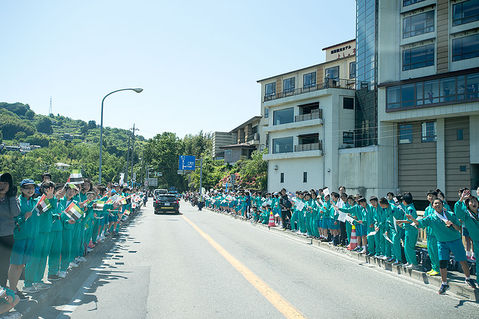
(447, 229)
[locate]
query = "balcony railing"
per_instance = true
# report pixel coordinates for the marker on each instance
(315, 114)
(309, 147)
(328, 83)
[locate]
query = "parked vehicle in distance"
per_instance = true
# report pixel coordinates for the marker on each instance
(159, 191)
(166, 203)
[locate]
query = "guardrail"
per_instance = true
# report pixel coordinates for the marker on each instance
(308, 147)
(318, 114)
(328, 83)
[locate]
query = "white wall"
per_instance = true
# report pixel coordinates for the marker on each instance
(293, 174)
(358, 171)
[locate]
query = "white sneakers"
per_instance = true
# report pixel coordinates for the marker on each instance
(82, 259)
(73, 264)
(29, 290)
(62, 274)
(40, 285)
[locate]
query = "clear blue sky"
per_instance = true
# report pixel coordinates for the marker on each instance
(197, 61)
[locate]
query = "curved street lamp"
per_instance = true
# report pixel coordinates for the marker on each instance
(137, 90)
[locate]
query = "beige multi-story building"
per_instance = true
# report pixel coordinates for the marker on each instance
(307, 117)
(246, 139)
(428, 95)
(221, 139)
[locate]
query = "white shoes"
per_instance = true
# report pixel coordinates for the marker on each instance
(82, 259)
(62, 274)
(29, 290)
(89, 250)
(73, 264)
(40, 286)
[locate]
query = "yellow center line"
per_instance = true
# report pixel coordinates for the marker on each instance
(270, 294)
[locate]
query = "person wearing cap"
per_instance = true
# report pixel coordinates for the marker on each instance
(24, 235)
(9, 210)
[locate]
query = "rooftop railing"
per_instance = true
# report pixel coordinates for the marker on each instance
(328, 83)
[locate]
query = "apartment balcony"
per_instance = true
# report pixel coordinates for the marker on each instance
(328, 83)
(308, 147)
(300, 151)
(300, 121)
(316, 114)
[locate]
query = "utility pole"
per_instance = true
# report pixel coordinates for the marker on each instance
(201, 178)
(132, 151)
(127, 158)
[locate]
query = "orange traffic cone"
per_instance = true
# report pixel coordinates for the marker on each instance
(354, 240)
(271, 220)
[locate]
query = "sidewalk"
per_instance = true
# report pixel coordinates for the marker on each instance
(63, 290)
(456, 279)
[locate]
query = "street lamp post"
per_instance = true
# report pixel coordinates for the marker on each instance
(137, 90)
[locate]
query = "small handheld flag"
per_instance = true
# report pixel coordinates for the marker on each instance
(44, 204)
(73, 211)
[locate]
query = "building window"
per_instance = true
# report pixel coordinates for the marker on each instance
(418, 57)
(283, 116)
(465, 47)
(266, 112)
(309, 80)
(282, 145)
(418, 24)
(305, 177)
(270, 90)
(281, 177)
(444, 90)
(332, 73)
(465, 12)
(348, 103)
(462, 168)
(460, 134)
(428, 132)
(352, 70)
(348, 138)
(288, 85)
(405, 133)
(409, 2)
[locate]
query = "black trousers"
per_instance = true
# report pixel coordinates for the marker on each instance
(285, 214)
(6, 244)
(343, 236)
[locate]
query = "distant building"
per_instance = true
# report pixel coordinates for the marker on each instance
(62, 166)
(308, 115)
(221, 139)
(246, 139)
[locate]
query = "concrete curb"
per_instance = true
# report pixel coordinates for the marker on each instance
(456, 279)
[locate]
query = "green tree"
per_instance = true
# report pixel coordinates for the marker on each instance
(91, 125)
(161, 153)
(30, 114)
(44, 125)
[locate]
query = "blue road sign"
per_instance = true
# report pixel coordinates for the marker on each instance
(186, 162)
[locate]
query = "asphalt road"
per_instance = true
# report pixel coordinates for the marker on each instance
(207, 265)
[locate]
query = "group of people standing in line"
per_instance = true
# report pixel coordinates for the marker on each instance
(55, 225)
(386, 228)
